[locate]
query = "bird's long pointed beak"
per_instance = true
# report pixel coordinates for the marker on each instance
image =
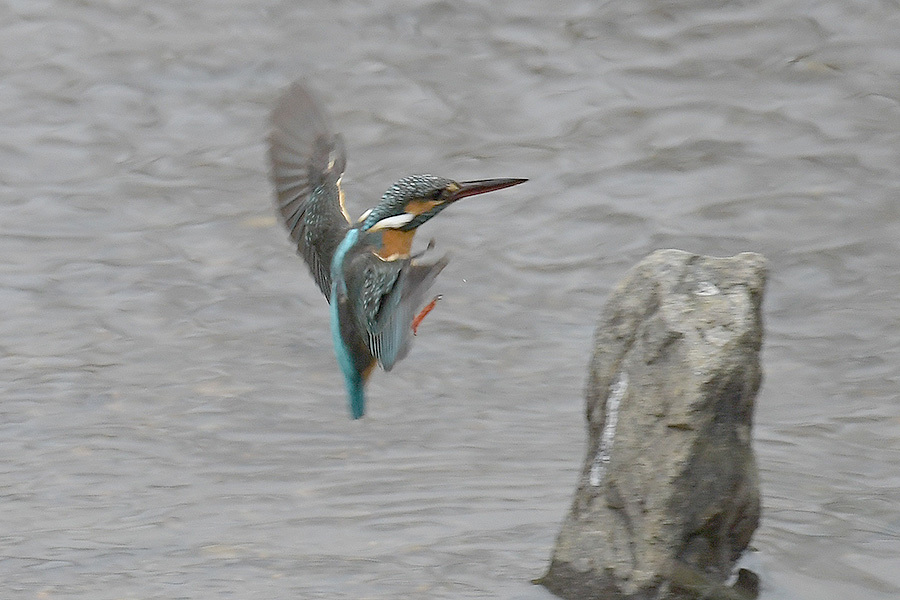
(483, 186)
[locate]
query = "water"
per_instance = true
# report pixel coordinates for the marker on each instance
(173, 421)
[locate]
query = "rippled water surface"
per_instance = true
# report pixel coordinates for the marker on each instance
(172, 422)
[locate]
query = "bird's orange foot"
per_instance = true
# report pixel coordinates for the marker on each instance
(424, 313)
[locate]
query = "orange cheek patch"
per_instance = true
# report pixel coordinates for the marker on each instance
(417, 207)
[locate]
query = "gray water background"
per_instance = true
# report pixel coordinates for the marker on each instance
(172, 421)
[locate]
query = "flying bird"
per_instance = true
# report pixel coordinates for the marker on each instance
(365, 268)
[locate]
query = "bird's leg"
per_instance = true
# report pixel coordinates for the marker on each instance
(430, 246)
(424, 312)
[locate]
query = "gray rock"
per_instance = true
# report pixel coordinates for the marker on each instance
(669, 486)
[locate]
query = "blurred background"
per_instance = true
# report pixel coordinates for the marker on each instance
(172, 420)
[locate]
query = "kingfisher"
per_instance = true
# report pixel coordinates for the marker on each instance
(374, 284)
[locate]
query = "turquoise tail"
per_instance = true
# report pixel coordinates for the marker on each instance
(352, 377)
(357, 398)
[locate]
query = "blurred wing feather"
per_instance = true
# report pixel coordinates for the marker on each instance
(391, 293)
(307, 161)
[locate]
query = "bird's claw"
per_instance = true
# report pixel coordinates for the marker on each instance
(423, 313)
(430, 246)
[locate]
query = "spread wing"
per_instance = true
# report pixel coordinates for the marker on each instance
(390, 295)
(307, 161)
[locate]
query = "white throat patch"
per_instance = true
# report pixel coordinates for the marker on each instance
(393, 222)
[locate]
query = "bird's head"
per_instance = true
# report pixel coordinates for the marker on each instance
(415, 199)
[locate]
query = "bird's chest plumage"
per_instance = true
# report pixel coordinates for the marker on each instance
(395, 244)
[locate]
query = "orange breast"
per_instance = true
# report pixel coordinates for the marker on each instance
(395, 243)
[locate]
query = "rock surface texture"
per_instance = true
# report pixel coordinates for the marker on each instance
(669, 482)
